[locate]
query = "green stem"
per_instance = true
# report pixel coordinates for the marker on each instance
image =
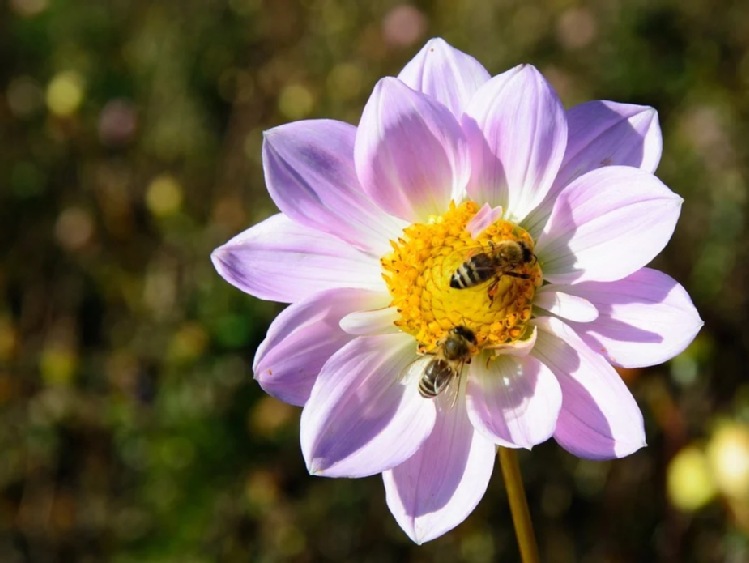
(521, 517)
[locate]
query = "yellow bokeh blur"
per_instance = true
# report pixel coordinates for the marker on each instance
(65, 93)
(164, 195)
(296, 101)
(58, 365)
(728, 455)
(690, 482)
(188, 343)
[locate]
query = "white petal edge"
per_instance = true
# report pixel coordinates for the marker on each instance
(520, 348)
(373, 321)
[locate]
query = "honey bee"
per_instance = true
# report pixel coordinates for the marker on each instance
(453, 352)
(500, 259)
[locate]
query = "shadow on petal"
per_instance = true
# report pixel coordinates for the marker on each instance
(599, 418)
(644, 319)
(586, 436)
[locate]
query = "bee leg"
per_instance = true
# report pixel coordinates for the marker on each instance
(492, 291)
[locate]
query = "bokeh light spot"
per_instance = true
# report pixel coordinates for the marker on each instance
(690, 483)
(345, 81)
(576, 28)
(74, 228)
(261, 489)
(296, 101)
(28, 8)
(164, 195)
(189, 342)
(728, 453)
(57, 365)
(118, 122)
(404, 25)
(65, 93)
(269, 416)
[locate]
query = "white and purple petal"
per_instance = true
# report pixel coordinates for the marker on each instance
(606, 225)
(552, 298)
(599, 418)
(411, 156)
(301, 339)
(281, 260)
(376, 319)
(363, 417)
(513, 401)
(310, 174)
(446, 74)
(519, 348)
(483, 218)
(440, 485)
(517, 133)
(644, 319)
(603, 133)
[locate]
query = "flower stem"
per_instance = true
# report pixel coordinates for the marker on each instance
(518, 506)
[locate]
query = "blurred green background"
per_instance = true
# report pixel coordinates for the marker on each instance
(130, 133)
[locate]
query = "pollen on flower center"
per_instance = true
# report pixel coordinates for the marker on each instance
(496, 306)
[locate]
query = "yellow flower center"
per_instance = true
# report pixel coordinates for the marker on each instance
(495, 303)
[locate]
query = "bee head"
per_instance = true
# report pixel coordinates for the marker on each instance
(464, 333)
(458, 343)
(528, 255)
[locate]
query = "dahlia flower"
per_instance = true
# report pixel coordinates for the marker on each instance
(376, 219)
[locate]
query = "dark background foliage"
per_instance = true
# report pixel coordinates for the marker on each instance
(130, 133)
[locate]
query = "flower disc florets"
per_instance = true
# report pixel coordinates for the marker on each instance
(425, 257)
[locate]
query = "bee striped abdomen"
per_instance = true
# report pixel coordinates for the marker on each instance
(453, 353)
(473, 271)
(437, 375)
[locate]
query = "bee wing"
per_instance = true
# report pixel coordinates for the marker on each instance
(453, 391)
(473, 250)
(411, 374)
